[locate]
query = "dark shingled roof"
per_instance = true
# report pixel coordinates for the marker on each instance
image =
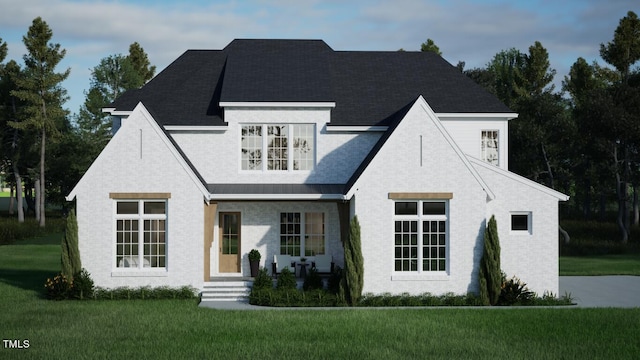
(368, 87)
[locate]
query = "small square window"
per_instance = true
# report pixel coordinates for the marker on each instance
(521, 222)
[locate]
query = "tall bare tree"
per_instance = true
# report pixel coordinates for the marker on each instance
(40, 89)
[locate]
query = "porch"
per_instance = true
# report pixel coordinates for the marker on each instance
(300, 229)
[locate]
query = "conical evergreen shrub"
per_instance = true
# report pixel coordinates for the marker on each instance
(490, 275)
(70, 257)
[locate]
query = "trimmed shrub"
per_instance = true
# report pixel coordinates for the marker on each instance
(82, 287)
(313, 281)
(354, 264)
(145, 293)
(70, 257)
(335, 279)
(263, 280)
(286, 279)
(490, 277)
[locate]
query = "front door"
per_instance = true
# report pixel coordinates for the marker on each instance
(229, 243)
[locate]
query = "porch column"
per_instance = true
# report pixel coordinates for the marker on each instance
(209, 220)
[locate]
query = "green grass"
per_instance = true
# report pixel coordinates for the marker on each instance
(624, 264)
(163, 329)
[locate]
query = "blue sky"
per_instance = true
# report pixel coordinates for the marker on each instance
(470, 31)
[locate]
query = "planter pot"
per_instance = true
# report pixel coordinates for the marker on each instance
(255, 265)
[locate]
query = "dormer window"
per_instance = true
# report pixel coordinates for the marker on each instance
(288, 147)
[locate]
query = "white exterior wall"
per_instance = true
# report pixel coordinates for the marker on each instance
(216, 155)
(467, 134)
(261, 230)
(533, 258)
(397, 168)
(137, 160)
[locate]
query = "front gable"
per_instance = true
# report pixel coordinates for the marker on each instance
(418, 162)
(430, 140)
(127, 143)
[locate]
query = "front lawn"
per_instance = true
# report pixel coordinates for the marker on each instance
(622, 264)
(163, 329)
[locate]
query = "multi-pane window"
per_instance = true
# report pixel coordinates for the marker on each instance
(280, 142)
(277, 147)
(251, 147)
(490, 146)
(303, 139)
(141, 233)
(420, 236)
(302, 234)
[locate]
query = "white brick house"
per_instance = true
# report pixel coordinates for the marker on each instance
(276, 144)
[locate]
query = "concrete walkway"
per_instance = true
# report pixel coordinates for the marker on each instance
(602, 291)
(586, 291)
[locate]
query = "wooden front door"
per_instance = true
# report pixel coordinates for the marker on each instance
(229, 243)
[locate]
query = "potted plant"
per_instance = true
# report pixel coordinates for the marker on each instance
(254, 262)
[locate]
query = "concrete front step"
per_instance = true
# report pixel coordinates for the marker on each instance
(227, 289)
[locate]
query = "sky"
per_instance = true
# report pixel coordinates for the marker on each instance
(469, 31)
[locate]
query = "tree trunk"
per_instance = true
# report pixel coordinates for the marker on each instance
(565, 235)
(11, 200)
(37, 199)
(621, 188)
(16, 173)
(603, 206)
(586, 206)
(42, 182)
(636, 206)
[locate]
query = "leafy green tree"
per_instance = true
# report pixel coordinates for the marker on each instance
(624, 50)
(141, 64)
(353, 263)
(592, 168)
(490, 277)
(506, 67)
(431, 46)
(42, 93)
(616, 114)
(70, 256)
(113, 76)
(12, 146)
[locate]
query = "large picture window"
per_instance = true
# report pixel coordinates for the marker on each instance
(141, 235)
(420, 236)
(302, 234)
(289, 147)
(490, 147)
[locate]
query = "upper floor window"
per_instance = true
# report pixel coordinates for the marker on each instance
(287, 147)
(490, 147)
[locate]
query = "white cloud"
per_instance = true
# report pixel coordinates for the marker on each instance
(472, 31)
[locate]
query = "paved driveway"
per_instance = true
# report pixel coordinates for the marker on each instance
(602, 291)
